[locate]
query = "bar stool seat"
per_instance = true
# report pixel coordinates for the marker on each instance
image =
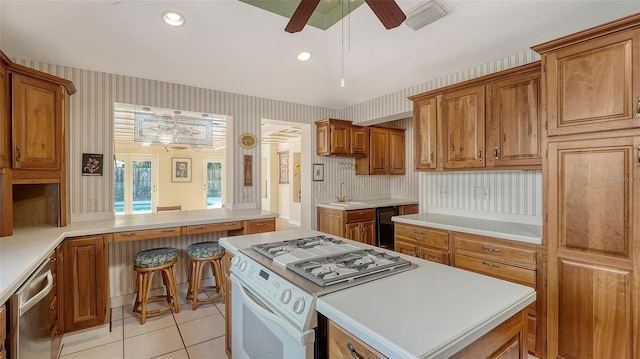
(202, 253)
(147, 263)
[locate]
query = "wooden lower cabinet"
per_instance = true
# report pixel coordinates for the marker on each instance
(506, 341)
(516, 262)
(3, 330)
(356, 224)
(86, 282)
(342, 344)
(422, 242)
(227, 302)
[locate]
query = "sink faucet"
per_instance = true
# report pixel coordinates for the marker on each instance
(341, 197)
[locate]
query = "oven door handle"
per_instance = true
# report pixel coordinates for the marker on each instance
(257, 305)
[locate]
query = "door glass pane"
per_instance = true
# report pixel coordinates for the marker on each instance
(118, 187)
(214, 185)
(141, 177)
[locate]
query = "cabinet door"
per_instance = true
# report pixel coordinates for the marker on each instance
(85, 282)
(340, 138)
(434, 255)
(323, 139)
(37, 124)
(227, 302)
(406, 248)
(513, 122)
(593, 245)
(331, 221)
(461, 120)
(378, 151)
(368, 232)
(396, 152)
(4, 118)
(424, 134)
(359, 141)
(594, 85)
(353, 231)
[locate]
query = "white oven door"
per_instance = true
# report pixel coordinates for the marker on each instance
(260, 333)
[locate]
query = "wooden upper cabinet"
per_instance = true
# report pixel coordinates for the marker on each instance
(593, 85)
(424, 134)
(378, 151)
(4, 118)
(513, 121)
(333, 137)
(396, 164)
(593, 244)
(359, 141)
(461, 120)
(37, 124)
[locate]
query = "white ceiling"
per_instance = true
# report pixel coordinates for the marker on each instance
(230, 46)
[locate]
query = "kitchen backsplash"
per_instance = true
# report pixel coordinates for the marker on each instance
(508, 193)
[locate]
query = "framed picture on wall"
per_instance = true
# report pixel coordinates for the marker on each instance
(318, 172)
(92, 164)
(181, 170)
(283, 166)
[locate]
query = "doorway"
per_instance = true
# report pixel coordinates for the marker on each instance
(134, 184)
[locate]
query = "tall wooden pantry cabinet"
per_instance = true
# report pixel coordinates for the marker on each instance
(591, 92)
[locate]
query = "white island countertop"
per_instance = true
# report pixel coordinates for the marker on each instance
(516, 231)
(432, 311)
(21, 253)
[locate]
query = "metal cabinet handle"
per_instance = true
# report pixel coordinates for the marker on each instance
(230, 223)
(259, 224)
(354, 354)
(433, 155)
(168, 230)
(491, 264)
(480, 154)
(638, 163)
(422, 233)
(491, 249)
(638, 107)
(198, 227)
(19, 154)
(495, 153)
(127, 234)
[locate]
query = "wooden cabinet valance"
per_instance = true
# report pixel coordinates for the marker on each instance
(491, 122)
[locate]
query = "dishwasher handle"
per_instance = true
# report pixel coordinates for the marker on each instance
(24, 307)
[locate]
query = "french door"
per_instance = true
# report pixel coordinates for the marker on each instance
(213, 180)
(135, 184)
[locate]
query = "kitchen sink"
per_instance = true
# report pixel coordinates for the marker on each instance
(346, 204)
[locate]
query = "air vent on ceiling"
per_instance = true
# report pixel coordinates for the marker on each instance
(424, 14)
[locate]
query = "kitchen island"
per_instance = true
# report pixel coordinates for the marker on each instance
(432, 311)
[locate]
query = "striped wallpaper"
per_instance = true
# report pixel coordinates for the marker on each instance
(92, 126)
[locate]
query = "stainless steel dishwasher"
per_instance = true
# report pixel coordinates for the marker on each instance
(30, 315)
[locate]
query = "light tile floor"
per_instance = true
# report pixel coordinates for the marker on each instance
(184, 335)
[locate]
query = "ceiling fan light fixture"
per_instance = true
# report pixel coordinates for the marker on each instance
(304, 56)
(424, 14)
(173, 18)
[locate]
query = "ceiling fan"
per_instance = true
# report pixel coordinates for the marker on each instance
(387, 11)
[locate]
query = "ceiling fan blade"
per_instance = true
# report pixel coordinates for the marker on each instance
(301, 15)
(388, 12)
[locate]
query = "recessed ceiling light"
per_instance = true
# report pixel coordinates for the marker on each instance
(304, 56)
(173, 18)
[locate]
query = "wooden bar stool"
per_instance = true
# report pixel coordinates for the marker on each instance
(199, 255)
(147, 263)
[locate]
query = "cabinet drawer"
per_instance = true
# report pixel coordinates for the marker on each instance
(496, 252)
(213, 227)
(358, 215)
(341, 344)
(147, 234)
(261, 225)
(424, 236)
(497, 270)
(434, 255)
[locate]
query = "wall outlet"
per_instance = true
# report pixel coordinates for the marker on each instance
(94, 204)
(444, 192)
(485, 193)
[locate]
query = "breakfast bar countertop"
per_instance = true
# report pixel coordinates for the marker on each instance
(21, 253)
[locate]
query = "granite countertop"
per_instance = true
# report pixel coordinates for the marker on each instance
(367, 203)
(517, 231)
(432, 311)
(22, 253)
